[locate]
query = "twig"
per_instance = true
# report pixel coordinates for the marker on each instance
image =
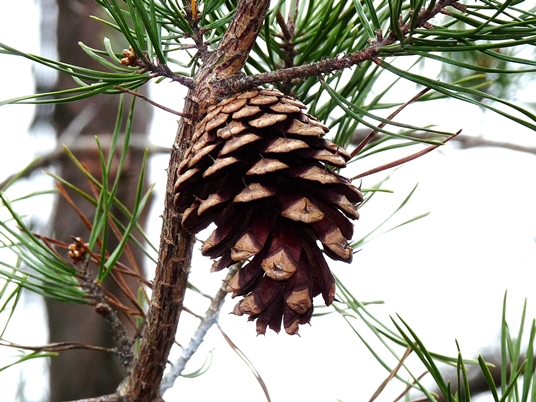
(287, 29)
(158, 70)
(146, 99)
(124, 350)
(162, 70)
(197, 36)
(328, 66)
(467, 141)
(97, 295)
(208, 320)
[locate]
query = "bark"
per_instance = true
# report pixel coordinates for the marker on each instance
(84, 373)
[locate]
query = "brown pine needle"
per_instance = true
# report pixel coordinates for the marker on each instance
(194, 9)
(391, 375)
(383, 124)
(146, 99)
(56, 347)
(401, 161)
(249, 364)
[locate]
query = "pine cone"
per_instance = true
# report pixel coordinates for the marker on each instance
(259, 169)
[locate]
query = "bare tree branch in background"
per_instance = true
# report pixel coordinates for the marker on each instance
(463, 140)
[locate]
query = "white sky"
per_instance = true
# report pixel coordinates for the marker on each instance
(445, 275)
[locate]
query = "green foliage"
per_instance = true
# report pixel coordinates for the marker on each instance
(26, 357)
(498, 32)
(517, 359)
(40, 268)
(45, 272)
(493, 34)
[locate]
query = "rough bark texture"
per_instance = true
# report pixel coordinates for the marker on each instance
(84, 373)
(176, 244)
(233, 50)
(169, 284)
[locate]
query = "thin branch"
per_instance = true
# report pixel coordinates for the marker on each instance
(162, 70)
(328, 66)
(146, 99)
(124, 349)
(208, 320)
(97, 294)
(99, 297)
(468, 141)
(198, 34)
(158, 70)
(287, 30)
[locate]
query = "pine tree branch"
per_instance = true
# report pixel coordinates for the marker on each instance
(229, 58)
(327, 66)
(225, 77)
(287, 30)
(214, 80)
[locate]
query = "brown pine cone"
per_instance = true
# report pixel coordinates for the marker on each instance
(261, 171)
